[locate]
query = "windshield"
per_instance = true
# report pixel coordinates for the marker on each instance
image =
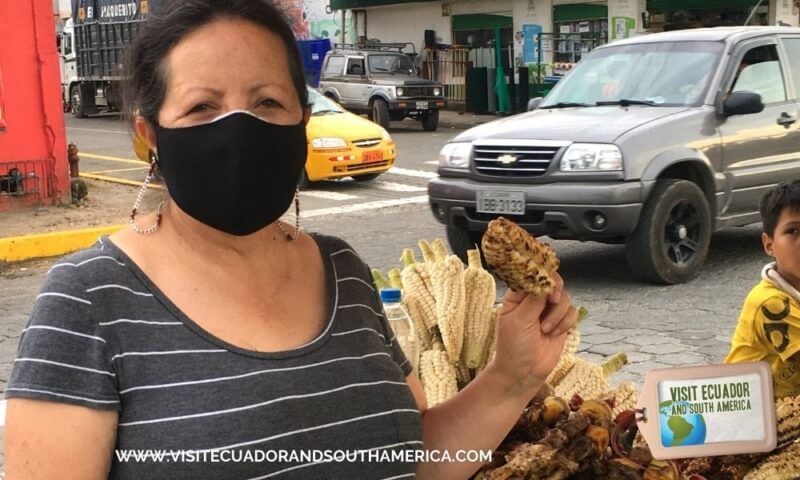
(390, 64)
(321, 104)
(662, 74)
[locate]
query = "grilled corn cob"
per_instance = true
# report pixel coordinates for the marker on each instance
(787, 412)
(587, 379)
(415, 290)
(447, 278)
(438, 376)
(480, 296)
(784, 464)
(520, 260)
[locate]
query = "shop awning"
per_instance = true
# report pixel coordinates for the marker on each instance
(574, 12)
(673, 5)
(351, 4)
(481, 22)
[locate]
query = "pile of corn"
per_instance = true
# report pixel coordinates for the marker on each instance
(454, 313)
(781, 464)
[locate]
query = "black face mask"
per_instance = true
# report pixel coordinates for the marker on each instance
(237, 174)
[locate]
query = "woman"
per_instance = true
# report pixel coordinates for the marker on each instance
(210, 327)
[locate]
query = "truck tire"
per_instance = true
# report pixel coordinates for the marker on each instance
(304, 183)
(380, 112)
(671, 240)
(76, 102)
(461, 240)
(430, 121)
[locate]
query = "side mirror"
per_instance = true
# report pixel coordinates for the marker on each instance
(742, 103)
(533, 103)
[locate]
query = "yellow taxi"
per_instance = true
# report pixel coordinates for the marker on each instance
(342, 144)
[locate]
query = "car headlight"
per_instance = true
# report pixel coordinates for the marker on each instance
(437, 92)
(455, 155)
(328, 142)
(591, 157)
(400, 92)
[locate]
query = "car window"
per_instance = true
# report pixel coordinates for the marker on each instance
(335, 66)
(67, 44)
(321, 104)
(793, 53)
(355, 66)
(390, 64)
(759, 71)
(664, 73)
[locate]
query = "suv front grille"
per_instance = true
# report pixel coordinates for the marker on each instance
(417, 91)
(510, 158)
(370, 142)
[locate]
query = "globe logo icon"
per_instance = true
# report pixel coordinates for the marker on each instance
(680, 430)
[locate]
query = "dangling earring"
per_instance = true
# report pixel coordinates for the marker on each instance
(296, 219)
(138, 203)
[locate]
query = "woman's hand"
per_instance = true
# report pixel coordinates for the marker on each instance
(531, 335)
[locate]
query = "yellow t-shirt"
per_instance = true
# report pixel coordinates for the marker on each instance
(769, 330)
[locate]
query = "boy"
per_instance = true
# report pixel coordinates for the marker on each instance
(769, 325)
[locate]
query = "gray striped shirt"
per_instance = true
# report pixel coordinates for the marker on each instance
(103, 336)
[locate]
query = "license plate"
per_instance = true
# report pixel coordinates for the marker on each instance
(422, 105)
(372, 156)
(511, 203)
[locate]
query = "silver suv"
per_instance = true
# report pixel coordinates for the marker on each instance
(655, 142)
(381, 81)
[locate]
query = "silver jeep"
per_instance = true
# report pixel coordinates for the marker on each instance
(381, 81)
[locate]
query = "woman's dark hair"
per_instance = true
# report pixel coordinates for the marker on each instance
(167, 25)
(784, 195)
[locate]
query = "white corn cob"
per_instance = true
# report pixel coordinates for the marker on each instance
(587, 379)
(438, 377)
(480, 294)
(447, 278)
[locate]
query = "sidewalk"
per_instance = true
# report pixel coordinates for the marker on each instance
(463, 120)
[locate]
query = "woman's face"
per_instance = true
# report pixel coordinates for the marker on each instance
(230, 64)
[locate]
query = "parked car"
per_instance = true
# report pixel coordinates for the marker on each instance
(381, 81)
(341, 144)
(655, 142)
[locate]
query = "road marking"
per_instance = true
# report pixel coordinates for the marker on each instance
(432, 162)
(398, 187)
(119, 170)
(113, 159)
(358, 207)
(335, 196)
(412, 173)
(123, 181)
(98, 130)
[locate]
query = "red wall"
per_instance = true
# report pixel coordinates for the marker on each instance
(34, 139)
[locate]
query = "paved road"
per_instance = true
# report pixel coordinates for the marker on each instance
(657, 326)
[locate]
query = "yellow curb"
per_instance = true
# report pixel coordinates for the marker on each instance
(27, 247)
(122, 181)
(118, 170)
(112, 159)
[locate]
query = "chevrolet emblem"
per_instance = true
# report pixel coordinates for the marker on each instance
(507, 159)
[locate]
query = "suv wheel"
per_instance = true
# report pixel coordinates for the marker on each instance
(461, 240)
(304, 182)
(380, 112)
(671, 241)
(430, 121)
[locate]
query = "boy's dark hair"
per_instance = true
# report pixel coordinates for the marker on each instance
(784, 195)
(167, 25)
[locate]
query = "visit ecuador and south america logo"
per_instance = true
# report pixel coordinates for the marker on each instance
(682, 417)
